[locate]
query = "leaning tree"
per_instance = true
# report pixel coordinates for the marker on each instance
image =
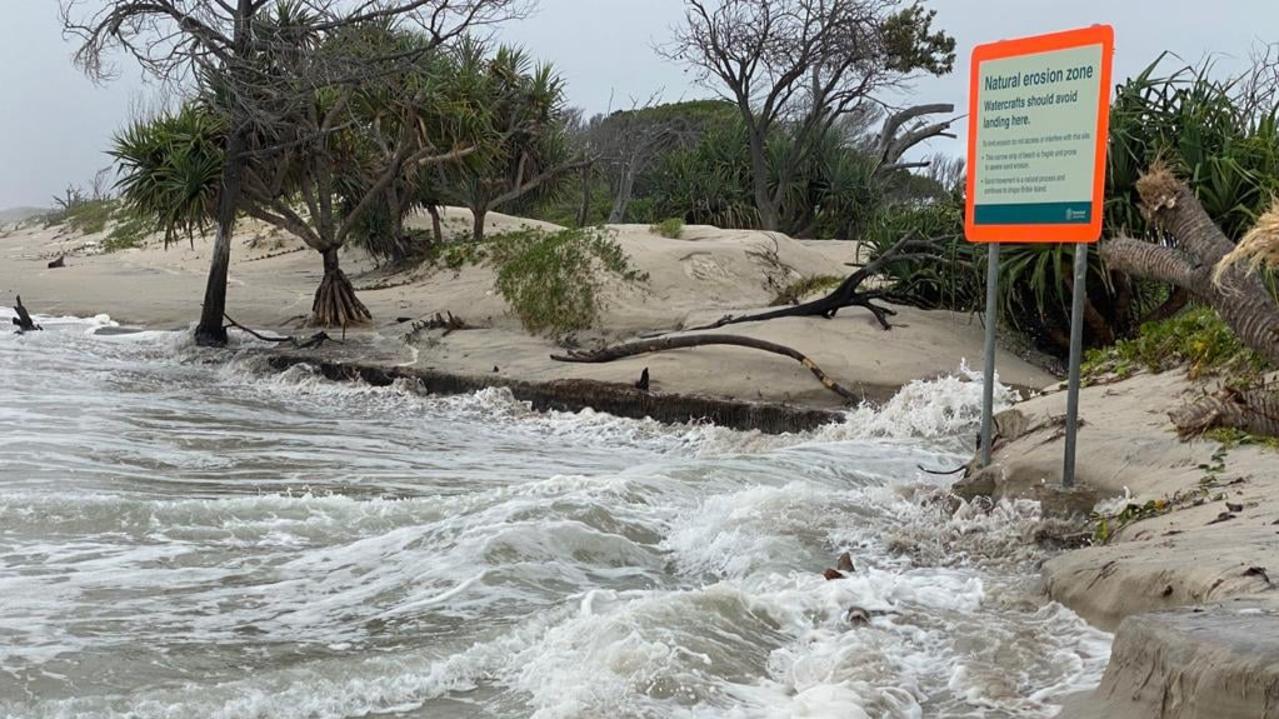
(1194, 254)
(802, 65)
(213, 47)
(343, 150)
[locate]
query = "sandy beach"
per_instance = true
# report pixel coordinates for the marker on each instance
(1211, 553)
(706, 274)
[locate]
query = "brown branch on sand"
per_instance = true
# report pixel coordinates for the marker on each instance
(23, 320)
(311, 342)
(848, 293)
(661, 344)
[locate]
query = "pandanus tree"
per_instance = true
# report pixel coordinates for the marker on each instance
(326, 159)
(531, 155)
(350, 145)
(206, 48)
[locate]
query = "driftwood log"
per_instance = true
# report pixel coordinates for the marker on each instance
(848, 293)
(23, 320)
(661, 344)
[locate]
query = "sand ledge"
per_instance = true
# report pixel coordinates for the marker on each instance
(1188, 592)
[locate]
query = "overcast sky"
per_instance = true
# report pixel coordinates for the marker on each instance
(55, 124)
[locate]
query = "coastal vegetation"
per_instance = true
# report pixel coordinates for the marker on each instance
(371, 117)
(553, 280)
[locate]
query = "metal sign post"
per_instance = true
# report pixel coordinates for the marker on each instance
(1039, 111)
(992, 319)
(1079, 293)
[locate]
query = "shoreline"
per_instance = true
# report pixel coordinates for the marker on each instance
(1183, 577)
(1127, 444)
(616, 399)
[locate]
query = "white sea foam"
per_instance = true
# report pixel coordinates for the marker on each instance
(191, 538)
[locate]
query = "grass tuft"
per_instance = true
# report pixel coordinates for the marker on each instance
(671, 228)
(796, 291)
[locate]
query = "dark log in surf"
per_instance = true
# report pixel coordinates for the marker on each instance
(23, 320)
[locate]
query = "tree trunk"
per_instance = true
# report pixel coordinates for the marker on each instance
(210, 331)
(625, 187)
(477, 224)
(584, 211)
(1254, 411)
(768, 214)
(335, 302)
(437, 226)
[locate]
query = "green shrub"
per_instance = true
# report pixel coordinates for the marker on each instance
(85, 216)
(552, 281)
(803, 287)
(1197, 338)
(129, 231)
(672, 228)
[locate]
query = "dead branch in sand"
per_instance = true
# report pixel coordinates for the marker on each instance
(848, 293)
(23, 320)
(661, 344)
(311, 342)
(446, 321)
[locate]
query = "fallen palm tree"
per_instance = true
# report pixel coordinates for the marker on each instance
(1198, 257)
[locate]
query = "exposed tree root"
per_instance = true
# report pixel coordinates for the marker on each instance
(335, 302)
(314, 340)
(1255, 411)
(661, 344)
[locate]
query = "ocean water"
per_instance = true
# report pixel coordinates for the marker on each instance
(184, 534)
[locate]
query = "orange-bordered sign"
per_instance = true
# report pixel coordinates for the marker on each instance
(1038, 118)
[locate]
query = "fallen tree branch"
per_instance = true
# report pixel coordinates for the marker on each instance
(847, 294)
(311, 342)
(661, 344)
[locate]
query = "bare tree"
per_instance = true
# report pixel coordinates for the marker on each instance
(801, 65)
(212, 45)
(627, 143)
